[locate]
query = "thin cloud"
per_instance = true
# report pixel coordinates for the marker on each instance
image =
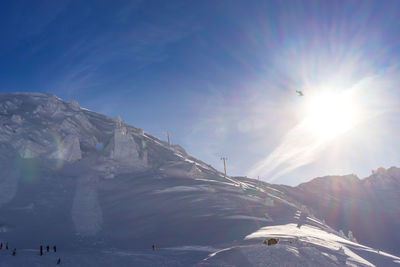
(299, 147)
(138, 45)
(302, 146)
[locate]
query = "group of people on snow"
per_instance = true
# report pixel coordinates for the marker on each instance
(1, 245)
(14, 252)
(6, 244)
(48, 250)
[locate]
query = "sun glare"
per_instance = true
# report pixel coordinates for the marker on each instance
(330, 115)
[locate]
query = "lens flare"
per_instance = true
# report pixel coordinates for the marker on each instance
(27, 169)
(58, 150)
(144, 144)
(99, 146)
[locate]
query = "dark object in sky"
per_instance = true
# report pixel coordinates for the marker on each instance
(300, 93)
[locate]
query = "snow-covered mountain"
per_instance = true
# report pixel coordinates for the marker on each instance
(104, 192)
(368, 207)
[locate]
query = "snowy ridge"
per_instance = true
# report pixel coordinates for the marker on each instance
(296, 244)
(360, 205)
(105, 191)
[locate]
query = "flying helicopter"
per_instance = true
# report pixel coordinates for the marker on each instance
(300, 92)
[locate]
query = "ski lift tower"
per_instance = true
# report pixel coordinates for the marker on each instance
(167, 134)
(224, 159)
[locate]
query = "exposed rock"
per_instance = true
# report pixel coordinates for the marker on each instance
(125, 150)
(140, 131)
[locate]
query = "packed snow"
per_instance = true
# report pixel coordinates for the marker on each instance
(105, 192)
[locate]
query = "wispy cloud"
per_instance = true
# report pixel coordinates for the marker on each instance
(298, 148)
(129, 45)
(303, 145)
(236, 124)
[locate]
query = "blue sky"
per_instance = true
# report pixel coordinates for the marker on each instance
(220, 76)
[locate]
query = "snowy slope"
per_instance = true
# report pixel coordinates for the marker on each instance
(105, 191)
(367, 207)
(81, 180)
(307, 245)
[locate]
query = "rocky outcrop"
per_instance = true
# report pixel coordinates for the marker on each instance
(124, 149)
(69, 150)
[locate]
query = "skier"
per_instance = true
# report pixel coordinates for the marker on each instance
(7, 245)
(14, 252)
(41, 250)
(59, 261)
(55, 248)
(153, 247)
(48, 248)
(1, 245)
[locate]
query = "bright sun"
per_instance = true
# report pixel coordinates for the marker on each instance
(330, 115)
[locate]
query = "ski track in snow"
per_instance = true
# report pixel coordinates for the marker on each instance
(245, 217)
(193, 248)
(176, 189)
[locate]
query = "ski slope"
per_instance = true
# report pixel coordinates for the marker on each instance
(104, 192)
(305, 245)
